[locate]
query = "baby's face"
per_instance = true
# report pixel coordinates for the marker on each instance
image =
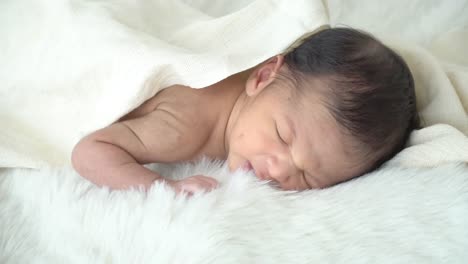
(294, 144)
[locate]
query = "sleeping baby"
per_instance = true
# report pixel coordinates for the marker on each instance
(334, 108)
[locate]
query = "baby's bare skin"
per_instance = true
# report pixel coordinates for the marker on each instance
(177, 124)
(249, 119)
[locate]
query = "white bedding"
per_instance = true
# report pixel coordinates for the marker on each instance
(70, 67)
(391, 216)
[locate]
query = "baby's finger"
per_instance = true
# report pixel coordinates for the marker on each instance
(190, 188)
(194, 187)
(209, 180)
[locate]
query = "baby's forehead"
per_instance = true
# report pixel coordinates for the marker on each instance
(310, 106)
(311, 90)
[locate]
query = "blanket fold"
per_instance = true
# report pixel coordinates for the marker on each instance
(71, 67)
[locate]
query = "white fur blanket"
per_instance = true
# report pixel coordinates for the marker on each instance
(70, 67)
(390, 216)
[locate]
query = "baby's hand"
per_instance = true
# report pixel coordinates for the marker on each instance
(194, 184)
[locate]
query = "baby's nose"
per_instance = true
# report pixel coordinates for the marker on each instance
(279, 168)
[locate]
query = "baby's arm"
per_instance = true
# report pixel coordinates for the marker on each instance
(113, 155)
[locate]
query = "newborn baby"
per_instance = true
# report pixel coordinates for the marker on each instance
(334, 108)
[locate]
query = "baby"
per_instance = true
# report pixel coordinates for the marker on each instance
(334, 108)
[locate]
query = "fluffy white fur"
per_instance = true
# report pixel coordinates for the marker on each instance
(390, 216)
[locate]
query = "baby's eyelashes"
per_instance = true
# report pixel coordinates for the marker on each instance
(279, 135)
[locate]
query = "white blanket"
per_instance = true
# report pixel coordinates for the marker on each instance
(390, 216)
(70, 67)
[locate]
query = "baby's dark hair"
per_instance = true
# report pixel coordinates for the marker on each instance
(369, 89)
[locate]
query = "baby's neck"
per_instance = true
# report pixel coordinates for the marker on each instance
(224, 97)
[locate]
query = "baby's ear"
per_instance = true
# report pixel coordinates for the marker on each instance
(263, 75)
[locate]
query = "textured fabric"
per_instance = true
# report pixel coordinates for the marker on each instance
(71, 67)
(389, 216)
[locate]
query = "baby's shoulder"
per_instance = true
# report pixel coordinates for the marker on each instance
(176, 100)
(181, 100)
(187, 105)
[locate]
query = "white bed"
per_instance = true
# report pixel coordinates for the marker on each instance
(70, 67)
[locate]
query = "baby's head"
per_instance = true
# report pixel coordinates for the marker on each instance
(334, 108)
